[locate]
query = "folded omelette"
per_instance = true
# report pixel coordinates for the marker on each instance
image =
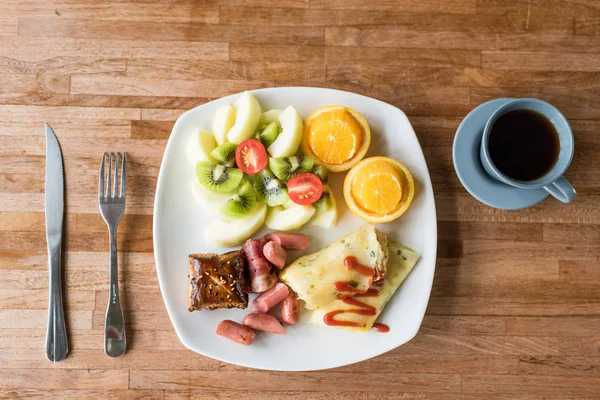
(401, 261)
(314, 277)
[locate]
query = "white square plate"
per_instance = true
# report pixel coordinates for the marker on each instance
(179, 225)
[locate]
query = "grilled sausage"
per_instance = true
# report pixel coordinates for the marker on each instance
(268, 299)
(260, 273)
(275, 254)
(236, 332)
(289, 241)
(290, 310)
(263, 322)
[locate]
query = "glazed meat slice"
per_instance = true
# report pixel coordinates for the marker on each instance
(217, 281)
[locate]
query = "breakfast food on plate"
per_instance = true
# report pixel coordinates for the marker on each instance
(251, 156)
(268, 133)
(224, 154)
(218, 178)
(261, 274)
(379, 189)
(339, 269)
(200, 147)
(289, 241)
(288, 141)
(233, 233)
(263, 322)
(270, 116)
(288, 216)
(270, 189)
(216, 281)
(290, 309)
(326, 206)
(275, 254)
(247, 114)
(305, 188)
(270, 298)
(236, 332)
(210, 202)
(337, 137)
(224, 120)
(362, 310)
(285, 168)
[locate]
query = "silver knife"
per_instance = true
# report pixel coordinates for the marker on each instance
(56, 336)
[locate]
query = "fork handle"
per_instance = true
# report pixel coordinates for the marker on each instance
(114, 328)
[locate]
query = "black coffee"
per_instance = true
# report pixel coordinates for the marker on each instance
(524, 145)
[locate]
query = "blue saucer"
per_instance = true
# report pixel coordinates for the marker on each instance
(465, 155)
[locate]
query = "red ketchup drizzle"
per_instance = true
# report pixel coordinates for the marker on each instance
(351, 263)
(363, 309)
(383, 328)
(368, 293)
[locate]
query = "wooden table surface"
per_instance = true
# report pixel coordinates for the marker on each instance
(515, 307)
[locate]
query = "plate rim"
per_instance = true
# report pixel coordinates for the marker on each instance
(157, 201)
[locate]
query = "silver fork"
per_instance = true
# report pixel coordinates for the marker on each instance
(112, 208)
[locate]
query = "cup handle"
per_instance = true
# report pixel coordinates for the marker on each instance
(562, 190)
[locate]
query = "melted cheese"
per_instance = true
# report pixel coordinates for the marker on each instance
(401, 261)
(313, 276)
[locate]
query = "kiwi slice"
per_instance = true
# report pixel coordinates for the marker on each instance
(224, 154)
(270, 189)
(242, 203)
(218, 178)
(268, 133)
(321, 171)
(324, 203)
(286, 167)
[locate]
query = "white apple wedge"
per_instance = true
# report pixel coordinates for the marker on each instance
(224, 120)
(326, 219)
(289, 216)
(209, 201)
(247, 114)
(288, 141)
(199, 147)
(236, 232)
(270, 116)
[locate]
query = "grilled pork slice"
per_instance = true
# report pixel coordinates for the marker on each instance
(217, 281)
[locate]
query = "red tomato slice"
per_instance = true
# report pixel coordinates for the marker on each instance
(305, 188)
(251, 156)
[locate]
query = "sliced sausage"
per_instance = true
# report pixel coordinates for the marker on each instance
(268, 299)
(236, 332)
(275, 254)
(263, 322)
(261, 275)
(290, 310)
(289, 241)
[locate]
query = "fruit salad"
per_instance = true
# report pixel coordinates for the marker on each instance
(249, 170)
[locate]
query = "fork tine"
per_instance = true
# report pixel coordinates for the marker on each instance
(123, 176)
(116, 184)
(101, 180)
(108, 180)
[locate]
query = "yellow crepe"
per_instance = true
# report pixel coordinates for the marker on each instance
(401, 261)
(312, 277)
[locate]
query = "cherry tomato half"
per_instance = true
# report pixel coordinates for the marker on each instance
(251, 156)
(305, 188)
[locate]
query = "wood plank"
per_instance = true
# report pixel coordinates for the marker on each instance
(18, 113)
(587, 26)
(433, 324)
(561, 42)
(450, 6)
(108, 84)
(253, 71)
(493, 231)
(548, 384)
(160, 114)
(570, 233)
(89, 129)
(153, 130)
(512, 306)
(62, 65)
(36, 83)
(406, 57)
(584, 271)
(290, 53)
(38, 299)
(266, 3)
(528, 61)
(142, 30)
(307, 381)
(526, 251)
(555, 365)
(63, 379)
(61, 394)
(559, 326)
(402, 38)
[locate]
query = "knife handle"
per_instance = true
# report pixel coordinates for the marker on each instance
(57, 345)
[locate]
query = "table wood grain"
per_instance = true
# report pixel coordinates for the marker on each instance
(515, 307)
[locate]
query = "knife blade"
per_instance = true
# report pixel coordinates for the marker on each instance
(56, 334)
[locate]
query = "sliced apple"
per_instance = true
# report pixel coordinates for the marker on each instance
(247, 114)
(270, 116)
(326, 219)
(289, 216)
(211, 202)
(224, 120)
(236, 232)
(289, 139)
(199, 147)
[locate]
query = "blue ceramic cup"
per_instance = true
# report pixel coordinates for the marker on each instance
(553, 181)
